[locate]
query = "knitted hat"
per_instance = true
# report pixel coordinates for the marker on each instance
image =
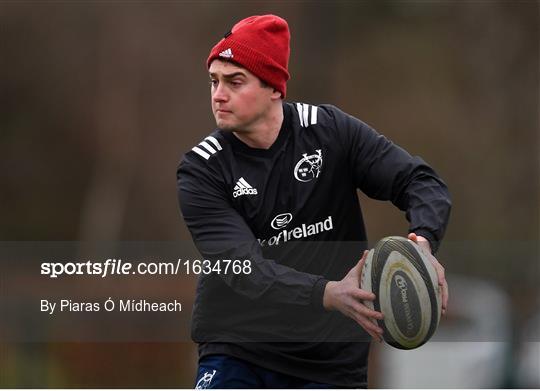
(261, 45)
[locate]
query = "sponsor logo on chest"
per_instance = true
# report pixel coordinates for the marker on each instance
(281, 220)
(299, 232)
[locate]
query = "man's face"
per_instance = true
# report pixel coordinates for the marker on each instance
(239, 100)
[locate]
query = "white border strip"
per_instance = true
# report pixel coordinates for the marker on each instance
(200, 152)
(300, 111)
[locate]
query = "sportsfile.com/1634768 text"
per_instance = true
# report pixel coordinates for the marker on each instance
(118, 267)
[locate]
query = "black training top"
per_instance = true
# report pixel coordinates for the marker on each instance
(292, 210)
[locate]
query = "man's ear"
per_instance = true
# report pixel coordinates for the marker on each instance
(275, 94)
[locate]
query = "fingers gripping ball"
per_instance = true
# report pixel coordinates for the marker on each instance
(405, 283)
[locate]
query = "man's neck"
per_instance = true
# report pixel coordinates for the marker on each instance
(265, 132)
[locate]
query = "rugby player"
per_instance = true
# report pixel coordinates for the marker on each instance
(274, 187)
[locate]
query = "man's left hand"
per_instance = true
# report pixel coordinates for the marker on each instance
(424, 244)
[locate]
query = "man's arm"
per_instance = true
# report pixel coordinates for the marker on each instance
(384, 171)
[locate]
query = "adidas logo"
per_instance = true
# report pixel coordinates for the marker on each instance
(226, 53)
(243, 188)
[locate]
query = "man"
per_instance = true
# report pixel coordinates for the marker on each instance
(274, 189)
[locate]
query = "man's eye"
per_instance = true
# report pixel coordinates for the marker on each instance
(213, 82)
(236, 83)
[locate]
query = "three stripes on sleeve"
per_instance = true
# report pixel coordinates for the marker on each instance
(208, 147)
(304, 114)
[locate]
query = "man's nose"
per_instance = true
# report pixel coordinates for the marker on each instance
(220, 93)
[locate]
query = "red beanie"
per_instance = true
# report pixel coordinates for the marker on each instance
(261, 45)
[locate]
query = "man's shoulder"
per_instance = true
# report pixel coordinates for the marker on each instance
(200, 165)
(307, 115)
(207, 149)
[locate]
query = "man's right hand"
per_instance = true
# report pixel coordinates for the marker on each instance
(346, 297)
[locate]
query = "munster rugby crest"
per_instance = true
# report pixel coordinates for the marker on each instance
(205, 380)
(309, 167)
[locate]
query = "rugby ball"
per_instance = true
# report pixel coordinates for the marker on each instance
(405, 284)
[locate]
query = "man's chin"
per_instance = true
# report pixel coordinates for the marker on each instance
(228, 127)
